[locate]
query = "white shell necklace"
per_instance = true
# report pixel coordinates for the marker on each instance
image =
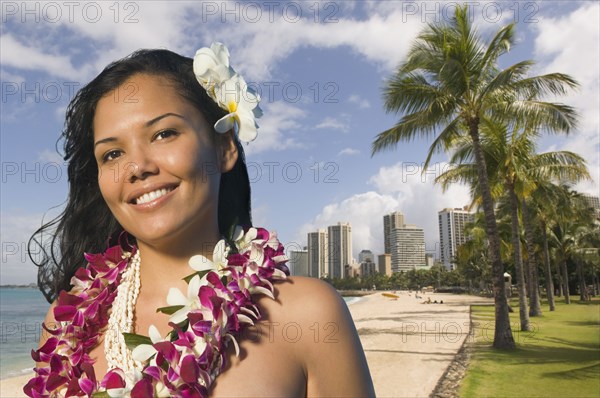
(121, 320)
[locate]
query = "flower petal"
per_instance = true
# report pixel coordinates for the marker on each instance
(225, 123)
(143, 352)
(154, 334)
(259, 289)
(176, 297)
(201, 263)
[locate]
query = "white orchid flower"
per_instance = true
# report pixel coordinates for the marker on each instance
(244, 241)
(190, 302)
(142, 352)
(219, 262)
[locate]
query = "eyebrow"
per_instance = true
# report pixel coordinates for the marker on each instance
(147, 124)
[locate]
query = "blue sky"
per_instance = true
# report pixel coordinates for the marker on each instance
(320, 67)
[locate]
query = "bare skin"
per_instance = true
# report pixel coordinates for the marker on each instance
(306, 343)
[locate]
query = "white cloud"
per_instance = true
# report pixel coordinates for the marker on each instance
(331, 123)
(400, 187)
(369, 38)
(418, 197)
(362, 103)
(348, 152)
(18, 55)
(50, 156)
(364, 211)
(112, 30)
(277, 128)
(6, 77)
(569, 44)
(16, 229)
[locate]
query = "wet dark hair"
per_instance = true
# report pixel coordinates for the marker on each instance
(87, 224)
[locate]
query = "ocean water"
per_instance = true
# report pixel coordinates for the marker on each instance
(351, 300)
(22, 311)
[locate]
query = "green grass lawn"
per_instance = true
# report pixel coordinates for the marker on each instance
(559, 358)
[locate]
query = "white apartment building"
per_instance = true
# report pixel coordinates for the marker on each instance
(340, 248)
(318, 254)
(408, 248)
(391, 221)
(451, 224)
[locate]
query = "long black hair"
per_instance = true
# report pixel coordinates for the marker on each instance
(87, 224)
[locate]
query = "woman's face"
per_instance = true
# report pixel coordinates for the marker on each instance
(159, 170)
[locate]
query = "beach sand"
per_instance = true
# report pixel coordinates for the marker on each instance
(409, 345)
(13, 387)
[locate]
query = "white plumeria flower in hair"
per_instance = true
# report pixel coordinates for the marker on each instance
(211, 65)
(229, 90)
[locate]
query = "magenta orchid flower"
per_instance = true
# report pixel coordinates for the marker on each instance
(216, 306)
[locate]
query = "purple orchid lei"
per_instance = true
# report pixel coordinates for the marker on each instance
(187, 363)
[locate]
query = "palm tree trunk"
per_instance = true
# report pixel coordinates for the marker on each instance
(534, 297)
(565, 281)
(503, 337)
(516, 241)
(547, 267)
(559, 278)
(583, 296)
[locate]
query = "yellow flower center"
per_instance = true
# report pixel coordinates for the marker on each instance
(232, 106)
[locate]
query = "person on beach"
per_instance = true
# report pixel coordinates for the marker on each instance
(177, 294)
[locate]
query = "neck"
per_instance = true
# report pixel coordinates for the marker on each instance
(165, 266)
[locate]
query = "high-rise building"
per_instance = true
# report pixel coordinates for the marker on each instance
(429, 260)
(366, 255)
(340, 248)
(408, 248)
(391, 221)
(593, 202)
(318, 254)
(367, 268)
(299, 262)
(384, 263)
(451, 224)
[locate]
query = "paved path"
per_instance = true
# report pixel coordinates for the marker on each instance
(409, 345)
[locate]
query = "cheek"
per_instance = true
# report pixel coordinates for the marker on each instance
(108, 183)
(198, 165)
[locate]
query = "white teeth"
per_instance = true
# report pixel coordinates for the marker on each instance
(150, 196)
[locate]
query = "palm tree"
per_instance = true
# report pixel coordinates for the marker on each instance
(571, 231)
(543, 199)
(448, 83)
(472, 256)
(513, 165)
(586, 236)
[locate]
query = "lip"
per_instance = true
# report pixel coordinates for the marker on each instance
(149, 188)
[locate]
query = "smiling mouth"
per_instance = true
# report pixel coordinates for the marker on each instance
(150, 196)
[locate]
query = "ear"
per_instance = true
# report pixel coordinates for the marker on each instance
(229, 152)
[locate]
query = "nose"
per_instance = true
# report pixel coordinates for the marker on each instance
(141, 165)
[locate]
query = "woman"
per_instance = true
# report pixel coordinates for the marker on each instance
(155, 165)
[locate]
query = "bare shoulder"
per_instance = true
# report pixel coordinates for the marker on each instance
(313, 315)
(309, 295)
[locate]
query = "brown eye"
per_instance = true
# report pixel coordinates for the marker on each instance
(161, 135)
(111, 155)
